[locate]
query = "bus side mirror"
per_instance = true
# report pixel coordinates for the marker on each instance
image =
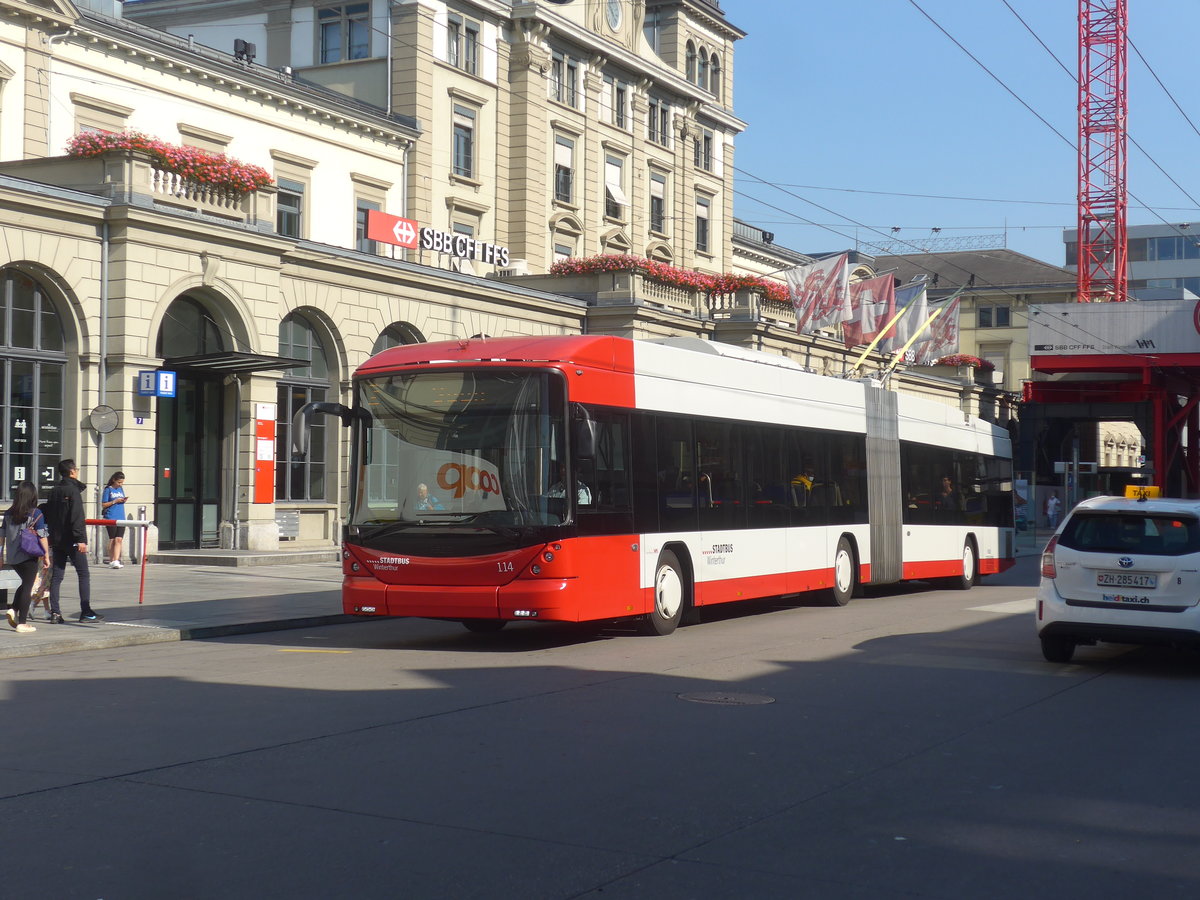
(300, 432)
(583, 434)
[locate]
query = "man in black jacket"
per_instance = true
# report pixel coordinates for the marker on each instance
(68, 540)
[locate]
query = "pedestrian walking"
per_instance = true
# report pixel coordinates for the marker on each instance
(68, 541)
(25, 533)
(112, 505)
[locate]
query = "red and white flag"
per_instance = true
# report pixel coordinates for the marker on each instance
(872, 305)
(943, 336)
(820, 293)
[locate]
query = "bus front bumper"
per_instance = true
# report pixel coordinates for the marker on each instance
(541, 599)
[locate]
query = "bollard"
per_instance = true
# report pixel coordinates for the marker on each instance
(137, 546)
(138, 525)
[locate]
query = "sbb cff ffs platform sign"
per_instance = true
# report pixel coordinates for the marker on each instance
(156, 383)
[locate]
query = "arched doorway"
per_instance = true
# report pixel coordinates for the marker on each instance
(188, 433)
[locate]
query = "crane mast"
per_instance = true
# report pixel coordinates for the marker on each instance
(1103, 114)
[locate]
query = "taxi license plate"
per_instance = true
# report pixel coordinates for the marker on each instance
(1126, 579)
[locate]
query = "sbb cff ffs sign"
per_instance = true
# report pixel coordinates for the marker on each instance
(391, 229)
(406, 233)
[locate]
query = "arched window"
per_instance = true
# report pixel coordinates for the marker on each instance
(714, 75)
(188, 330)
(690, 70)
(396, 335)
(32, 370)
(702, 69)
(301, 478)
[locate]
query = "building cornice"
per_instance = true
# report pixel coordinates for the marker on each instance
(203, 65)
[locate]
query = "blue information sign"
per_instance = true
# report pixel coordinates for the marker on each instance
(156, 383)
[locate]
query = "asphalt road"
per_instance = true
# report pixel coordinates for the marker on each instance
(912, 744)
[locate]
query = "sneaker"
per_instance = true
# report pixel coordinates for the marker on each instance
(57, 619)
(25, 628)
(90, 617)
(116, 564)
(12, 617)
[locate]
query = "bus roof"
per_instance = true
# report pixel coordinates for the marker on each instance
(601, 351)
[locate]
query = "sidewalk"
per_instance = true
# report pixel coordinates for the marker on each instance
(183, 603)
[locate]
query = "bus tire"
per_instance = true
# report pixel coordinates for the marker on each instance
(845, 574)
(672, 594)
(970, 572)
(484, 626)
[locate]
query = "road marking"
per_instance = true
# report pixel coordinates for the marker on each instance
(1011, 608)
(307, 650)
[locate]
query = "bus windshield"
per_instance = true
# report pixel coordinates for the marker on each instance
(479, 447)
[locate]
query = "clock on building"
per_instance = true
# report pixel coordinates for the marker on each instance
(614, 14)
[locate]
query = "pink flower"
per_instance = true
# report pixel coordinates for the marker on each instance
(662, 273)
(196, 165)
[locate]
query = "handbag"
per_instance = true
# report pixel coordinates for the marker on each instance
(31, 544)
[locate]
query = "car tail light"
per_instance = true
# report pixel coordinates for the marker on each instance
(1048, 569)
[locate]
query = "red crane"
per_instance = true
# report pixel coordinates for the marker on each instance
(1103, 114)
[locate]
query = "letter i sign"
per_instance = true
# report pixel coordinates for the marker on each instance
(391, 229)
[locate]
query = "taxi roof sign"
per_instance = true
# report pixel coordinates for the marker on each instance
(1142, 491)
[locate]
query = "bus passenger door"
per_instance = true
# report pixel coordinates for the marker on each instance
(608, 561)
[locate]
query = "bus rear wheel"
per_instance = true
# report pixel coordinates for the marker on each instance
(845, 578)
(671, 593)
(484, 626)
(970, 572)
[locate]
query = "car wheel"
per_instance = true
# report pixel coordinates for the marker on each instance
(671, 593)
(1057, 649)
(484, 626)
(845, 574)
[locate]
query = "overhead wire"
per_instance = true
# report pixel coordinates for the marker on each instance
(1010, 91)
(1132, 139)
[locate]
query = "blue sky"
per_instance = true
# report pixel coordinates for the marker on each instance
(868, 95)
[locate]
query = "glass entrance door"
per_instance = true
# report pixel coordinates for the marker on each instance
(188, 461)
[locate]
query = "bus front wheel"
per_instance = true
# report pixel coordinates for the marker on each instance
(670, 596)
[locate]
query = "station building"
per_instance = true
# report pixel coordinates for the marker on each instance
(168, 327)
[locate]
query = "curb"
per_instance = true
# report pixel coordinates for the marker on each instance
(111, 635)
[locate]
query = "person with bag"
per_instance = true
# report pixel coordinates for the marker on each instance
(26, 550)
(68, 541)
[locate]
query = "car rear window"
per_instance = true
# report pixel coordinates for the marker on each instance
(1151, 534)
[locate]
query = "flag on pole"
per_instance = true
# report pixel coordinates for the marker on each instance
(943, 335)
(912, 304)
(820, 293)
(872, 305)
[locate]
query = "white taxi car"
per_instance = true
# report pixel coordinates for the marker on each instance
(1124, 571)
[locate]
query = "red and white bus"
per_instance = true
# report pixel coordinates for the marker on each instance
(592, 478)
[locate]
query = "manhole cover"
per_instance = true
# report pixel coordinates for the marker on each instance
(727, 698)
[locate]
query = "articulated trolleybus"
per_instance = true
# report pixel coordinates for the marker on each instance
(584, 478)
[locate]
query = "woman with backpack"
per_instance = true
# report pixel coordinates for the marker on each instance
(19, 555)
